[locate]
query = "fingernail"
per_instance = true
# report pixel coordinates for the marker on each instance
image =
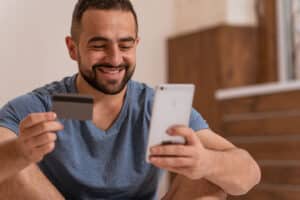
(54, 115)
(152, 150)
(170, 131)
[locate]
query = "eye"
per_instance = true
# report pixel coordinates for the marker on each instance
(98, 46)
(126, 46)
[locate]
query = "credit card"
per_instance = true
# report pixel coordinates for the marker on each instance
(73, 106)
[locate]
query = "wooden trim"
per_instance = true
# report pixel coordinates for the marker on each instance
(270, 191)
(267, 30)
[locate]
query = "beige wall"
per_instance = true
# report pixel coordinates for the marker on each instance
(194, 15)
(241, 12)
(156, 20)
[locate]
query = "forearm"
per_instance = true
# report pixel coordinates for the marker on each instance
(233, 170)
(29, 184)
(184, 188)
(11, 161)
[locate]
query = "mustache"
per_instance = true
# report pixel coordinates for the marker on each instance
(107, 65)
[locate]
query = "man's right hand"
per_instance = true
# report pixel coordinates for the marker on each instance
(37, 136)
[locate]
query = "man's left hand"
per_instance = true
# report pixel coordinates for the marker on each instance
(192, 159)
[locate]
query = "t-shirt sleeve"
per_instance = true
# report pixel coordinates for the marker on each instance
(197, 122)
(16, 110)
(9, 118)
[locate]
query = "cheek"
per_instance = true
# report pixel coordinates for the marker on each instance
(130, 58)
(91, 58)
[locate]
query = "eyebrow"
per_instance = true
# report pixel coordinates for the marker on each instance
(103, 39)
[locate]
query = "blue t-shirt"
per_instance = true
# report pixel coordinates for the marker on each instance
(89, 163)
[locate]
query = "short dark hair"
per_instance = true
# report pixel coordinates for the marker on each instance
(84, 5)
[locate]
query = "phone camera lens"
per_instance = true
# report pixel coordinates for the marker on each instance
(161, 88)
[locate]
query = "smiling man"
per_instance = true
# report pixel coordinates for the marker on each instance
(43, 157)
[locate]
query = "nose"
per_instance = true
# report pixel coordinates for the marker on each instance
(114, 56)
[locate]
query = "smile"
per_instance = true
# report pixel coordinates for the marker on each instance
(111, 70)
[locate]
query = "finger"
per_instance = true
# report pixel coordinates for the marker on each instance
(36, 118)
(47, 148)
(41, 140)
(171, 162)
(172, 150)
(180, 170)
(51, 126)
(184, 131)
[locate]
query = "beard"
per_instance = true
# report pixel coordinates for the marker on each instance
(109, 87)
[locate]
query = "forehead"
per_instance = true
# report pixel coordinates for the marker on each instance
(108, 23)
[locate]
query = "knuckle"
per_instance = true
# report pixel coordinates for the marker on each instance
(21, 129)
(180, 149)
(38, 157)
(57, 125)
(189, 129)
(29, 155)
(169, 161)
(50, 147)
(54, 137)
(30, 118)
(192, 162)
(27, 143)
(51, 136)
(43, 127)
(157, 150)
(48, 136)
(161, 150)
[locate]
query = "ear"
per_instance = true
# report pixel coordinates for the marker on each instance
(137, 40)
(72, 48)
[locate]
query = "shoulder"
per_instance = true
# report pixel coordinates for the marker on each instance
(38, 100)
(66, 85)
(140, 96)
(140, 92)
(140, 88)
(44, 93)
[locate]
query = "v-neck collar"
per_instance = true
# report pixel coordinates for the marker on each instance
(113, 129)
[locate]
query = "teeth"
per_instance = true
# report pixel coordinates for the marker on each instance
(110, 70)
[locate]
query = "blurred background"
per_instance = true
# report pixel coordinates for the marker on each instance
(242, 55)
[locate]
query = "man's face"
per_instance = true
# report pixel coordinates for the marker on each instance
(106, 51)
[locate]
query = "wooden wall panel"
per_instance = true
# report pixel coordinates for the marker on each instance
(268, 127)
(188, 66)
(271, 148)
(267, 34)
(259, 126)
(276, 172)
(238, 48)
(220, 57)
(271, 192)
(282, 101)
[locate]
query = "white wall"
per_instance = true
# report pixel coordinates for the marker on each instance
(32, 44)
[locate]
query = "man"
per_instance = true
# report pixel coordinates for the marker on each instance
(105, 158)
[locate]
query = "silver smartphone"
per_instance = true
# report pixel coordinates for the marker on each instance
(172, 105)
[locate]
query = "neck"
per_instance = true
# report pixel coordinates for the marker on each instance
(83, 87)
